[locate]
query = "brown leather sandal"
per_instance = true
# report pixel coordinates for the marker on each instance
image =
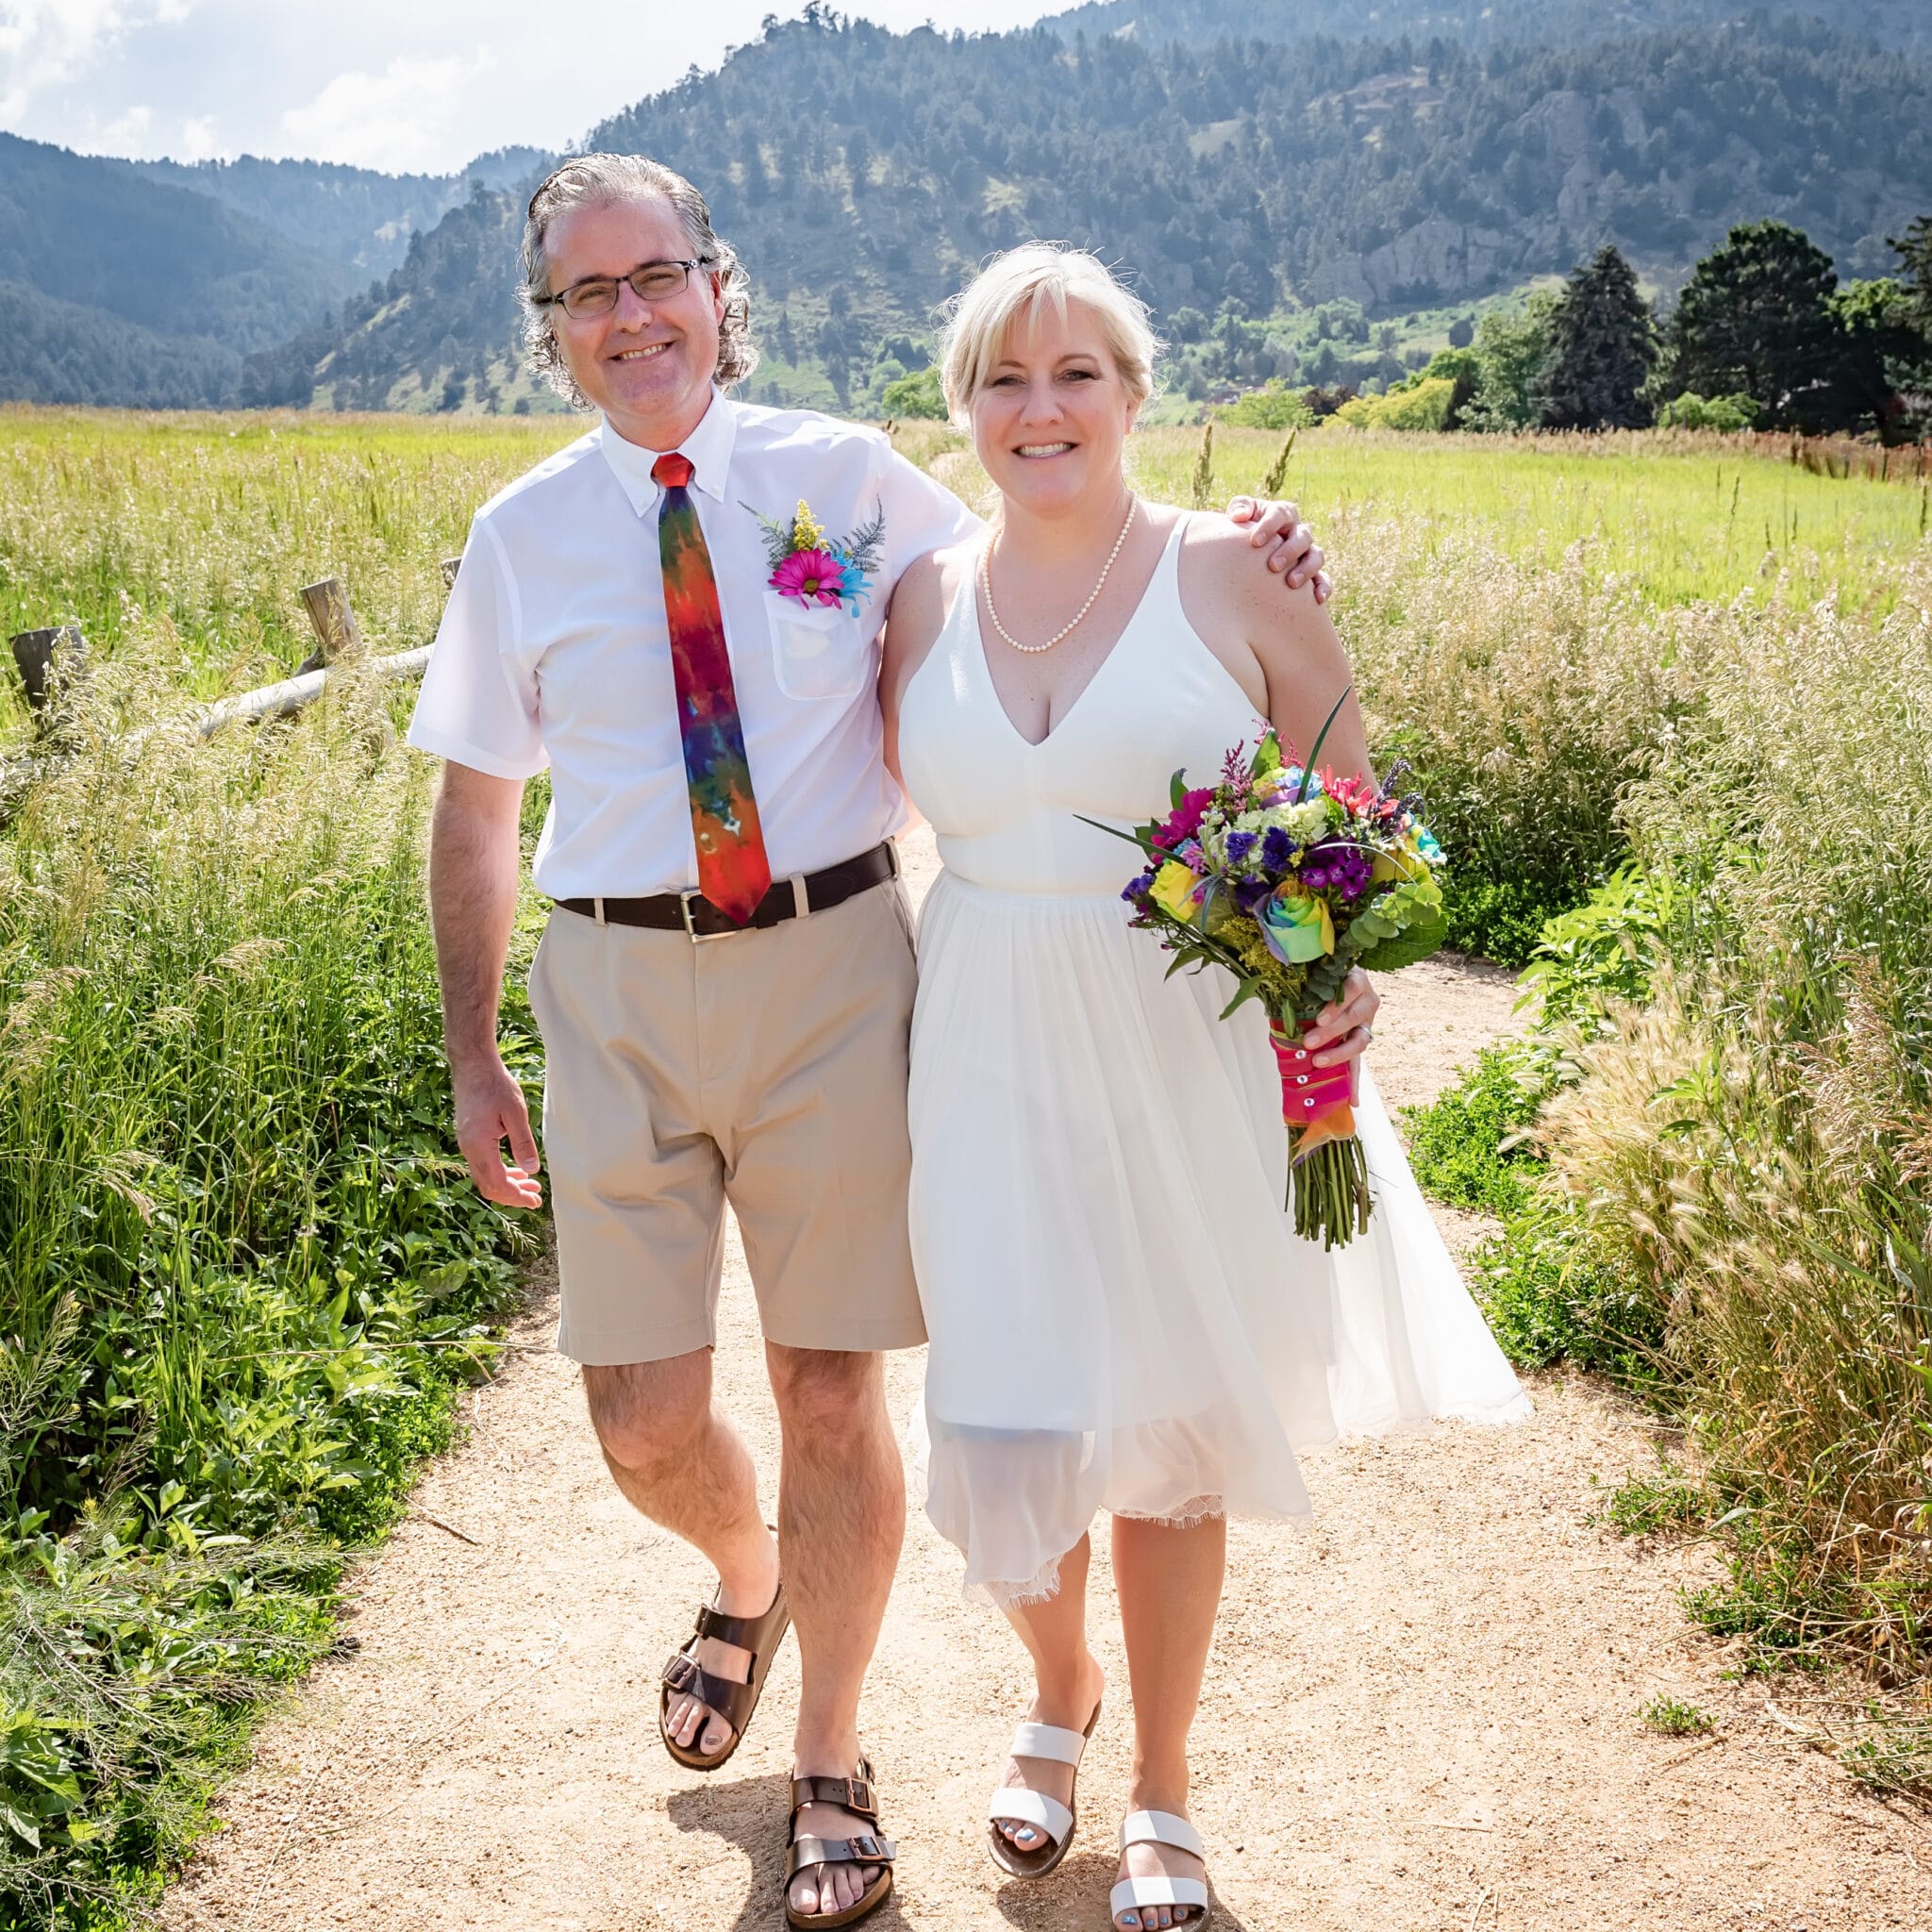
(854, 1794)
(684, 1676)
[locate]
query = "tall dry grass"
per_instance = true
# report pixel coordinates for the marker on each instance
(1757, 1141)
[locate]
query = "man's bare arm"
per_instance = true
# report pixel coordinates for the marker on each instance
(473, 858)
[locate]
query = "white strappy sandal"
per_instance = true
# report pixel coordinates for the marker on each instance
(1016, 1805)
(1138, 1894)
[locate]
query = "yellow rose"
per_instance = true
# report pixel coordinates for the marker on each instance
(1174, 890)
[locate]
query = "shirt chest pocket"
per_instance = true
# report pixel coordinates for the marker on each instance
(818, 651)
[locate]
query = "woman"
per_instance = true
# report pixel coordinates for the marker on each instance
(1120, 1316)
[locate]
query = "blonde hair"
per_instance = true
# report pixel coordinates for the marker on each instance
(1020, 283)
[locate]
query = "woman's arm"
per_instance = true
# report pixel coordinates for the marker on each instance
(915, 615)
(1304, 669)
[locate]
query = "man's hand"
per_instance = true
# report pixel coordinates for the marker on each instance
(1290, 543)
(491, 1110)
(473, 905)
(1345, 1026)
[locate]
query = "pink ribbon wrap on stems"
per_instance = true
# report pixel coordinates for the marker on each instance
(1316, 1102)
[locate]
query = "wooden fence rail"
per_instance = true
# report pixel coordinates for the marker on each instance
(54, 662)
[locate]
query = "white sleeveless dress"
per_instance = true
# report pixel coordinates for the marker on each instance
(1122, 1316)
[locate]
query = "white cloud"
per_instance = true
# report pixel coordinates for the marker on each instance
(199, 141)
(129, 130)
(398, 119)
(45, 42)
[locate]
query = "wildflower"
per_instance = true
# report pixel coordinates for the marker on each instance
(813, 577)
(808, 533)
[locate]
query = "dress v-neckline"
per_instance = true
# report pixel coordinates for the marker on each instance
(1093, 677)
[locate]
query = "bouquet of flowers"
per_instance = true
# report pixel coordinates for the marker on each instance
(1288, 877)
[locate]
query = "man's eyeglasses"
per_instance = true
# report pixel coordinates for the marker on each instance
(651, 282)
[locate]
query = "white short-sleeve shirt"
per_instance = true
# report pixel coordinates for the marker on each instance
(554, 648)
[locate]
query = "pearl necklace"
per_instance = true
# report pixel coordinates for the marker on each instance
(1034, 650)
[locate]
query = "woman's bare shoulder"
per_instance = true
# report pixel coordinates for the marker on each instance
(917, 612)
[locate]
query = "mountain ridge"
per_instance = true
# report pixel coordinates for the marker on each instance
(1375, 175)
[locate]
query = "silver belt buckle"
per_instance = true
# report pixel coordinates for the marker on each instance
(690, 932)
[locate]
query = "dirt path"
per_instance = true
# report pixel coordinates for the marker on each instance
(1421, 1715)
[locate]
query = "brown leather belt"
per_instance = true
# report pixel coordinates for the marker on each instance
(789, 898)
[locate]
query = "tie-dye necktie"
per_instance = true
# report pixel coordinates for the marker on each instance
(733, 871)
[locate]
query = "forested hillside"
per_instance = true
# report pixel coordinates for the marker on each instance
(357, 220)
(94, 232)
(1903, 23)
(1394, 176)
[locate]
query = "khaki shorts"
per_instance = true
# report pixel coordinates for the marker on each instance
(766, 1068)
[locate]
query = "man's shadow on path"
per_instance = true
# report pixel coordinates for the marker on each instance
(750, 1813)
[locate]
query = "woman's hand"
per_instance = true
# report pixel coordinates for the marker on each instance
(1290, 543)
(1346, 1025)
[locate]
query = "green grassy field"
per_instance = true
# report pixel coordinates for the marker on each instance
(195, 532)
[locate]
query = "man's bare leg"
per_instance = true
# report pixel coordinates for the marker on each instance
(841, 1518)
(679, 1460)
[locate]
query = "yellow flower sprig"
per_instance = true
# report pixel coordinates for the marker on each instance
(808, 533)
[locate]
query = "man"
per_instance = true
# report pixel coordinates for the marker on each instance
(726, 990)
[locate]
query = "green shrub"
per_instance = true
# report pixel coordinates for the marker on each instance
(1500, 919)
(917, 394)
(1274, 405)
(1552, 1296)
(1423, 405)
(1469, 1147)
(242, 1272)
(1732, 412)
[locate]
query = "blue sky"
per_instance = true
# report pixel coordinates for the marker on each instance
(402, 84)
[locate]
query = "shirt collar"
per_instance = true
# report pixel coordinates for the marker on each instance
(709, 446)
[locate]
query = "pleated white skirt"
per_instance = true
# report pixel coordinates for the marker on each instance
(1121, 1314)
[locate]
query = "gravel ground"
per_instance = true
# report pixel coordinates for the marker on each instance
(1420, 1714)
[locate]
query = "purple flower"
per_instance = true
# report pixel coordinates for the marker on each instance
(1277, 849)
(1138, 889)
(1249, 894)
(1339, 865)
(1238, 845)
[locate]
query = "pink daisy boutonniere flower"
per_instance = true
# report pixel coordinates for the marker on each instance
(813, 577)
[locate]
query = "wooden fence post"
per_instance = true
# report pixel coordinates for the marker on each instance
(337, 635)
(49, 660)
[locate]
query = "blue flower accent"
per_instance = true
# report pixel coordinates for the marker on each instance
(1277, 848)
(1238, 845)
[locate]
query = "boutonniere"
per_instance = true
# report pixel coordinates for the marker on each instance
(809, 565)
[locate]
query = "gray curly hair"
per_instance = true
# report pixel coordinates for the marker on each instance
(595, 180)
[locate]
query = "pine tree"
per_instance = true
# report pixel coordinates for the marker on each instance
(1909, 371)
(1605, 345)
(1756, 319)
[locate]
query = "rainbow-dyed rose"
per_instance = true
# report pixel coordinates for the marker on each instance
(1287, 876)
